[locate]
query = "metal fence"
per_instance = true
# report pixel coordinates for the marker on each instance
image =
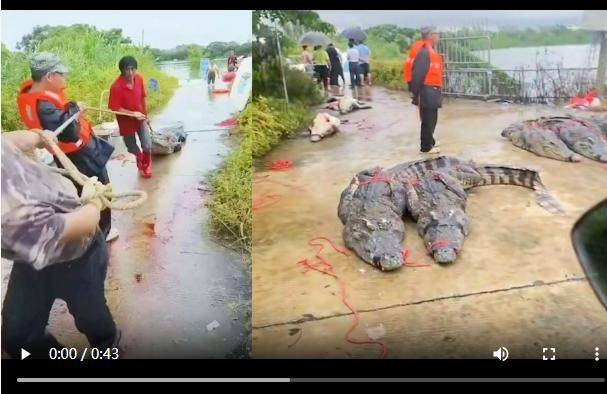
(469, 73)
(539, 85)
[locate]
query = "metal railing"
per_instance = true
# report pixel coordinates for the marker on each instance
(539, 85)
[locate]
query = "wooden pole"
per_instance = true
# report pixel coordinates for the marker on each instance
(282, 71)
(601, 72)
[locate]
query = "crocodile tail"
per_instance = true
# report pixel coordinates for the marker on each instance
(520, 176)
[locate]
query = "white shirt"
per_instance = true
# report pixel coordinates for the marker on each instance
(353, 55)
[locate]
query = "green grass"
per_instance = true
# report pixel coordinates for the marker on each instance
(93, 60)
(262, 125)
(274, 120)
(231, 213)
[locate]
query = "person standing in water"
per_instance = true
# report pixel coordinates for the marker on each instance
(127, 95)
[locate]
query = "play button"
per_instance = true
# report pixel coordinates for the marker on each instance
(24, 354)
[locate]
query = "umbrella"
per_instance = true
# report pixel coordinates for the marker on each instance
(354, 33)
(314, 38)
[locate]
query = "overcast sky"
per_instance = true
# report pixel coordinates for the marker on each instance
(162, 29)
(453, 18)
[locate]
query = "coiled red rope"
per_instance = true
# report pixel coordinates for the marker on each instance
(323, 266)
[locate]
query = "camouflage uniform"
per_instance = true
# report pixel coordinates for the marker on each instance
(45, 268)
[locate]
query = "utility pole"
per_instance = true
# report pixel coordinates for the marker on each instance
(282, 71)
(142, 31)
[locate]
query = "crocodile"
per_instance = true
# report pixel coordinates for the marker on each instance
(433, 193)
(560, 137)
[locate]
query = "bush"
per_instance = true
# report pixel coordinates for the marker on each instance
(267, 82)
(389, 74)
(92, 57)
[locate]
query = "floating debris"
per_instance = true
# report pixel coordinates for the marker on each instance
(212, 325)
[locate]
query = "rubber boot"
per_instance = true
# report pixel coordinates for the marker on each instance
(140, 160)
(147, 165)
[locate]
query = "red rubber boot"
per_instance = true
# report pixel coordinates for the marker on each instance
(147, 165)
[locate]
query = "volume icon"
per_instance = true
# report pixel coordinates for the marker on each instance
(501, 354)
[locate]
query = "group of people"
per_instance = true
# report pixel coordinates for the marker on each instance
(58, 244)
(423, 72)
(327, 64)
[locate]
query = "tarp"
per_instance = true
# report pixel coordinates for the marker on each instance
(243, 84)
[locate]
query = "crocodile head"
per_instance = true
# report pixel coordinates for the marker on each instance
(376, 239)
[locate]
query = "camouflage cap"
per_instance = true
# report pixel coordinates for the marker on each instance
(42, 63)
(427, 30)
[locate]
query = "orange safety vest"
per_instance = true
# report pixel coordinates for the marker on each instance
(407, 71)
(434, 77)
(28, 108)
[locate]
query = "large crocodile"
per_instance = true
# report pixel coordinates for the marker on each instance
(432, 192)
(558, 137)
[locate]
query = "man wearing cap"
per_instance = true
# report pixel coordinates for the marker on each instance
(426, 81)
(42, 105)
(57, 251)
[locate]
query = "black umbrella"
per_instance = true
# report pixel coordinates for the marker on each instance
(314, 38)
(354, 33)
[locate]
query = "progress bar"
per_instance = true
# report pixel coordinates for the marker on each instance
(287, 380)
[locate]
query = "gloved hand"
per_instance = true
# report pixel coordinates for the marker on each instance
(72, 131)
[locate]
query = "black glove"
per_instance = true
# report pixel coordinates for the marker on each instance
(72, 132)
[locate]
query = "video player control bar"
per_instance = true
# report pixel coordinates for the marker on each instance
(287, 380)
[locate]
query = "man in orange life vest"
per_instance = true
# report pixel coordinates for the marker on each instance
(424, 73)
(42, 105)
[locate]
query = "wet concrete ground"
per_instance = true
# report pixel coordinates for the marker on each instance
(167, 279)
(516, 283)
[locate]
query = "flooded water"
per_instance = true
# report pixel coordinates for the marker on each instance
(167, 278)
(516, 283)
(565, 56)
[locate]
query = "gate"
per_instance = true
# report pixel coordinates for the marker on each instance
(467, 65)
(469, 73)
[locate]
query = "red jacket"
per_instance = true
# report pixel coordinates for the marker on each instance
(129, 98)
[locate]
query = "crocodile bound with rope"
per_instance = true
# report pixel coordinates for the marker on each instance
(431, 191)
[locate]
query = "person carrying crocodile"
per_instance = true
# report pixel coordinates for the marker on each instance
(43, 105)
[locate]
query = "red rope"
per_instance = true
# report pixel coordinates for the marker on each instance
(264, 201)
(325, 267)
(409, 263)
(377, 177)
(281, 165)
(439, 243)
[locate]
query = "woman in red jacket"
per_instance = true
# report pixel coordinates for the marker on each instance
(128, 95)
